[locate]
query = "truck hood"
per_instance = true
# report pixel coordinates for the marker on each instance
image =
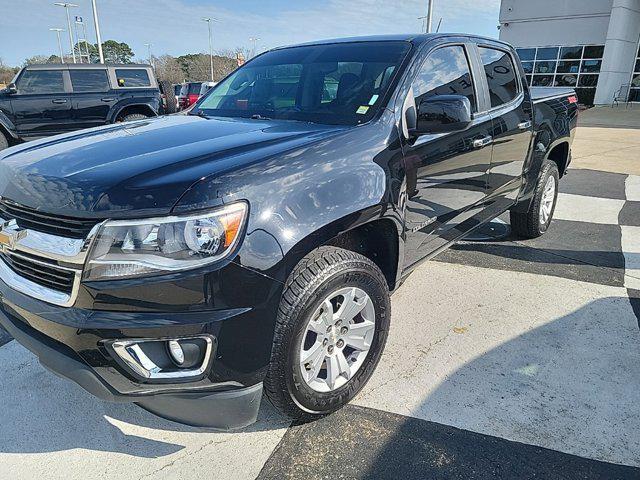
(141, 168)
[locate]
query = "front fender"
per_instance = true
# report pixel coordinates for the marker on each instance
(304, 198)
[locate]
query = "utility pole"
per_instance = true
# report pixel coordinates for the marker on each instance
(58, 30)
(254, 40)
(429, 16)
(66, 7)
(97, 27)
(209, 20)
(149, 45)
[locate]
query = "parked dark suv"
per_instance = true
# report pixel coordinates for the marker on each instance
(47, 100)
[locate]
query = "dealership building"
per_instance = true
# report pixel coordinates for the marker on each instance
(591, 45)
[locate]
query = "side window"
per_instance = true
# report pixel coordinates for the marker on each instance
(445, 72)
(131, 77)
(40, 82)
(89, 80)
(501, 75)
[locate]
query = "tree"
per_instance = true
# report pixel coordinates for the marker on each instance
(36, 60)
(7, 73)
(168, 68)
(196, 66)
(116, 52)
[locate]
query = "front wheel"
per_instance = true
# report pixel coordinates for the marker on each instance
(536, 221)
(331, 330)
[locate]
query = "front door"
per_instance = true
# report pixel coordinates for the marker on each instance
(446, 173)
(41, 105)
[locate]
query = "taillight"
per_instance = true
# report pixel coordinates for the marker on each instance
(573, 99)
(193, 98)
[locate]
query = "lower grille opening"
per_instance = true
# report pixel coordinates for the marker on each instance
(40, 271)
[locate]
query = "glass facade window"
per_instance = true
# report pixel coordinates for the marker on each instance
(576, 66)
(547, 53)
(526, 54)
(634, 93)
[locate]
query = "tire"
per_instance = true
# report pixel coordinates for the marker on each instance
(4, 142)
(133, 116)
(167, 90)
(317, 277)
(534, 223)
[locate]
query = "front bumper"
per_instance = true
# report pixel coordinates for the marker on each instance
(75, 343)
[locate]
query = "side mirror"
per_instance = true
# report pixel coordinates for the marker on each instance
(442, 114)
(11, 89)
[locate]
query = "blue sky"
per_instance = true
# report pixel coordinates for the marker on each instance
(174, 26)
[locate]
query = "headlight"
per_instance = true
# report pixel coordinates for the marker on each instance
(133, 248)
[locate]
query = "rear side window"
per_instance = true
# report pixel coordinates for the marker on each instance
(194, 88)
(89, 80)
(40, 81)
(445, 72)
(131, 77)
(501, 75)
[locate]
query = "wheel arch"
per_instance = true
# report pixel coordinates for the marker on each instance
(123, 110)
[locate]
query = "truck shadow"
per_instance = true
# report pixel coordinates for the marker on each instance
(43, 413)
(569, 385)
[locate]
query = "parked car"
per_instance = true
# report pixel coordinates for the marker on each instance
(205, 87)
(189, 262)
(189, 94)
(46, 100)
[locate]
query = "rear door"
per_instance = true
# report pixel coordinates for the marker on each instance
(92, 98)
(446, 173)
(41, 105)
(511, 114)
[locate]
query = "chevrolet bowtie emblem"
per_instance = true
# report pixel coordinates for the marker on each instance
(10, 238)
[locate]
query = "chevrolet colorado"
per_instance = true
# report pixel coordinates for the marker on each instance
(187, 263)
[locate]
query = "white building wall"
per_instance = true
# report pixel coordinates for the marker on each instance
(527, 23)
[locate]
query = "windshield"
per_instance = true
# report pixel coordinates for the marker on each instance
(341, 84)
(191, 88)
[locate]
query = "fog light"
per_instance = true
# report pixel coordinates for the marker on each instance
(175, 350)
(160, 359)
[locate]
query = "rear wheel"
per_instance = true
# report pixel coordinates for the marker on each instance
(331, 330)
(132, 117)
(4, 142)
(536, 221)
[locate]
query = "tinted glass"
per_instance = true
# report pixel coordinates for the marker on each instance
(526, 54)
(542, 81)
(570, 53)
(89, 80)
(593, 51)
(131, 77)
(550, 53)
(194, 88)
(333, 84)
(568, 67)
(40, 81)
(634, 95)
(585, 95)
(501, 75)
(588, 80)
(566, 81)
(637, 69)
(176, 89)
(445, 72)
(635, 82)
(590, 66)
(528, 79)
(528, 67)
(545, 67)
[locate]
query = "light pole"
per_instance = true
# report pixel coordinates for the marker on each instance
(209, 20)
(58, 30)
(86, 44)
(429, 15)
(149, 45)
(97, 26)
(66, 8)
(254, 40)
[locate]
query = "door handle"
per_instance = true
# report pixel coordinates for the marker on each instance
(59, 100)
(524, 125)
(482, 142)
(107, 99)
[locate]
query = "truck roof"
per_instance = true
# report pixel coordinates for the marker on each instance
(404, 37)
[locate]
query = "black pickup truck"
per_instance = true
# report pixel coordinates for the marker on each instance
(189, 262)
(51, 99)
